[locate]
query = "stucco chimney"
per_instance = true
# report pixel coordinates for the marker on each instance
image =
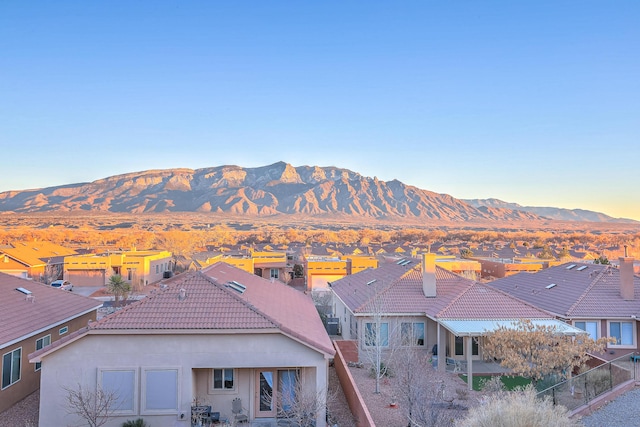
(626, 277)
(429, 275)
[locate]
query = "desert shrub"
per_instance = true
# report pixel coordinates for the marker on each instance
(598, 381)
(135, 423)
(518, 409)
(492, 385)
(385, 371)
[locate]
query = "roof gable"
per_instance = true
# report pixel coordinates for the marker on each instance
(204, 300)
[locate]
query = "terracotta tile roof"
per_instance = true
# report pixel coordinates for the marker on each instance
(21, 316)
(209, 304)
(400, 292)
(583, 291)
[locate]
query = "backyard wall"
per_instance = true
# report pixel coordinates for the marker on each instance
(349, 387)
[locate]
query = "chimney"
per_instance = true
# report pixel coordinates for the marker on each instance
(429, 275)
(627, 289)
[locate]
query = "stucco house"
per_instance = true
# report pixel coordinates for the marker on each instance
(138, 268)
(414, 303)
(600, 299)
(37, 260)
(34, 315)
(210, 336)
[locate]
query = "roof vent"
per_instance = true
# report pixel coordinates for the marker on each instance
(24, 291)
(569, 267)
(553, 285)
(182, 294)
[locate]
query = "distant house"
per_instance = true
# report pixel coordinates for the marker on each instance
(414, 303)
(31, 260)
(212, 336)
(600, 299)
(322, 270)
(139, 268)
(34, 315)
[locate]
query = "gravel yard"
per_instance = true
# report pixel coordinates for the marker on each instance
(385, 416)
(624, 411)
(23, 413)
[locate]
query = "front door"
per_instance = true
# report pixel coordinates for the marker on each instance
(265, 386)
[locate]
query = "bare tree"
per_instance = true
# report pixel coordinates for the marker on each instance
(298, 402)
(377, 334)
(421, 393)
(95, 407)
(51, 272)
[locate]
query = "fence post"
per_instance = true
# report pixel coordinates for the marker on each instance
(610, 376)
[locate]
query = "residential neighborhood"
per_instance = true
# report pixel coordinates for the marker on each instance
(247, 324)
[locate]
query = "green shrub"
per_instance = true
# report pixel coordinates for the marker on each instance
(135, 423)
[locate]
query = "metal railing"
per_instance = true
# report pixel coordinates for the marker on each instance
(583, 388)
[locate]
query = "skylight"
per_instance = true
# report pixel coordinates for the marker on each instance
(553, 285)
(401, 261)
(582, 268)
(406, 262)
(569, 267)
(370, 282)
(238, 287)
(24, 291)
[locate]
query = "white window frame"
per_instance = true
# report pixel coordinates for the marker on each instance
(144, 390)
(597, 323)
(214, 390)
(633, 333)
(11, 379)
(134, 394)
(63, 330)
(40, 343)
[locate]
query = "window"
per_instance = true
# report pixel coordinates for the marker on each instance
(40, 343)
(591, 327)
(157, 268)
(275, 273)
(412, 334)
(622, 332)
(287, 386)
(459, 346)
(223, 379)
(160, 391)
(372, 338)
(11, 367)
(121, 382)
(63, 330)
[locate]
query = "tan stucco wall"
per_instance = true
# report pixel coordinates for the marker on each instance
(195, 355)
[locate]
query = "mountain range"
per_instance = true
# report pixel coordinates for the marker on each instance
(277, 189)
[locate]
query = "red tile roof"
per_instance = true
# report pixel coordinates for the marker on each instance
(399, 290)
(22, 316)
(207, 303)
(583, 291)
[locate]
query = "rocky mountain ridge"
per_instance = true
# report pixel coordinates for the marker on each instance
(277, 189)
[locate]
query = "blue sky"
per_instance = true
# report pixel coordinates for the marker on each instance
(536, 103)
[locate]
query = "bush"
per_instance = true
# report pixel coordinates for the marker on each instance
(135, 423)
(518, 409)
